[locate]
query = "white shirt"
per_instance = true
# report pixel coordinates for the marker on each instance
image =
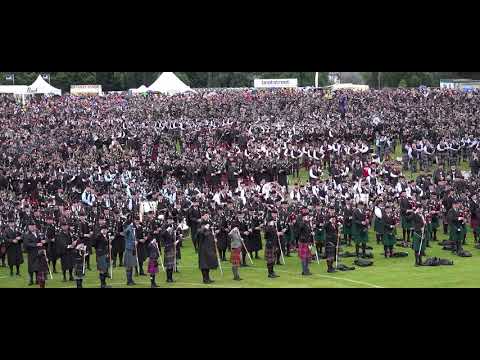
(88, 198)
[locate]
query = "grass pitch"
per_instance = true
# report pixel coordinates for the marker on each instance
(385, 273)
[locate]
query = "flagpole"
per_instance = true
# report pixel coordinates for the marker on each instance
(13, 79)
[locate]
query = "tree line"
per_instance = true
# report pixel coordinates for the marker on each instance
(126, 80)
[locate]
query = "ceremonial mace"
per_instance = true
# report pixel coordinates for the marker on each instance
(280, 244)
(216, 250)
(314, 245)
(160, 257)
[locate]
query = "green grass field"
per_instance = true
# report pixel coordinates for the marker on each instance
(385, 273)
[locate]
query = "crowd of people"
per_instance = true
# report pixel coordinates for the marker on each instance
(128, 177)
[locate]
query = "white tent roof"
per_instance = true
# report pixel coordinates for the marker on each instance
(169, 83)
(141, 90)
(13, 89)
(40, 86)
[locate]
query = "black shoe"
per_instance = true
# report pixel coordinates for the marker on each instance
(71, 279)
(18, 274)
(30, 283)
(132, 283)
(11, 274)
(170, 281)
(307, 274)
(331, 271)
(64, 279)
(142, 274)
(237, 279)
(105, 287)
(257, 257)
(279, 263)
(273, 276)
(153, 286)
(88, 268)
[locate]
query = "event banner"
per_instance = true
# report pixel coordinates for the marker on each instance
(275, 83)
(86, 90)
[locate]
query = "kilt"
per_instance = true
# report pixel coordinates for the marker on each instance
(359, 236)
(389, 239)
(320, 236)
(347, 230)
(435, 223)
(152, 266)
(475, 224)
(102, 263)
(3, 249)
(379, 226)
(270, 255)
(41, 277)
(304, 252)
(330, 250)
(235, 256)
(457, 233)
(78, 272)
(129, 260)
(417, 239)
(290, 236)
(169, 257)
(405, 223)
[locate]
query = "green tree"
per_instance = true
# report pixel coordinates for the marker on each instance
(402, 84)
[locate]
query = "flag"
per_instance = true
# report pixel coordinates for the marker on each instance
(9, 77)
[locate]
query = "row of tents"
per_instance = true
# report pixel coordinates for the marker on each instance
(168, 83)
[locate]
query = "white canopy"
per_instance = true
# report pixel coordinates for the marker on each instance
(40, 86)
(169, 83)
(141, 90)
(13, 89)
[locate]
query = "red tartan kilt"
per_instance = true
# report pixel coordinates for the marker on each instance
(304, 252)
(236, 257)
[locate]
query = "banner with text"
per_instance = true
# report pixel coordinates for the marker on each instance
(275, 83)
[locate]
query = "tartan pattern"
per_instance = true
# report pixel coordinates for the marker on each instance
(270, 255)
(235, 257)
(304, 252)
(152, 266)
(102, 264)
(330, 250)
(417, 239)
(41, 277)
(169, 257)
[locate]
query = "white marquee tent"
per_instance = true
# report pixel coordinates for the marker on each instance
(40, 86)
(141, 90)
(169, 83)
